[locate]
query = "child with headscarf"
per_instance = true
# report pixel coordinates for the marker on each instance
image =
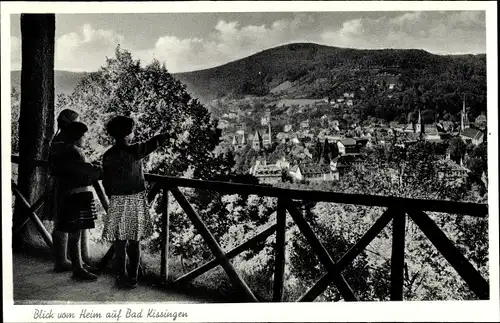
(52, 202)
(76, 209)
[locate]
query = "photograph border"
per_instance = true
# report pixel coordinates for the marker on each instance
(415, 311)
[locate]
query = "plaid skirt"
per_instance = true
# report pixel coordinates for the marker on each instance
(128, 218)
(76, 212)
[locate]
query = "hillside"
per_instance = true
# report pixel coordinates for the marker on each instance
(64, 81)
(303, 70)
(306, 69)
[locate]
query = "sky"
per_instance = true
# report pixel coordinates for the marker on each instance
(193, 41)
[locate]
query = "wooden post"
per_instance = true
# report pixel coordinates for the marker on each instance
(36, 117)
(464, 268)
(212, 244)
(398, 256)
(165, 237)
(279, 258)
(322, 253)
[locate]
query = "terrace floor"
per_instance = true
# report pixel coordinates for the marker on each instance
(35, 282)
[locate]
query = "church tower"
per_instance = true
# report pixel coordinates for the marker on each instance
(420, 127)
(464, 120)
(269, 127)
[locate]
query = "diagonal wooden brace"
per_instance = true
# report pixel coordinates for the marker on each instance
(34, 208)
(213, 244)
(349, 256)
(231, 254)
(321, 251)
(472, 277)
(32, 215)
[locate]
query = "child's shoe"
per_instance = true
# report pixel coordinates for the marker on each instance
(91, 269)
(63, 267)
(121, 281)
(83, 275)
(132, 283)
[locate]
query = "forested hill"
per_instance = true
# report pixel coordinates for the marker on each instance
(65, 82)
(312, 70)
(306, 69)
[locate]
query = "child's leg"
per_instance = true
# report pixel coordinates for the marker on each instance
(85, 246)
(120, 259)
(60, 248)
(76, 257)
(134, 253)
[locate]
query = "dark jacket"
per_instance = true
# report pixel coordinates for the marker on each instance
(68, 169)
(122, 166)
(68, 165)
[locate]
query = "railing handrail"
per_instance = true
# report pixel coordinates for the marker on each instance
(463, 208)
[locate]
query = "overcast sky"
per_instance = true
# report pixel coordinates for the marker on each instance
(191, 41)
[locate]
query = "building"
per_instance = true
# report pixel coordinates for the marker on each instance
(304, 124)
(448, 170)
(239, 141)
(240, 129)
(283, 137)
(314, 173)
(223, 124)
(257, 143)
(267, 174)
(347, 146)
(475, 136)
(283, 163)
(464, 119)
(301, 103)
(296, 173)
(266, 140)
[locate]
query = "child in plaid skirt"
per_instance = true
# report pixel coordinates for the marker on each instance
(76, 210)
(128, 220)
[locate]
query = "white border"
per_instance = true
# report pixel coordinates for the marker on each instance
(485, 311)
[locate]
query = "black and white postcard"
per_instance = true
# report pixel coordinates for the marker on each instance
(254, 161)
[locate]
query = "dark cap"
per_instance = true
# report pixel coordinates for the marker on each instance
(75, 130)
(119, 127)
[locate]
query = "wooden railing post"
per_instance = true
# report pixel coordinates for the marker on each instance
(165, 236)
(279, 258)
(398, 257)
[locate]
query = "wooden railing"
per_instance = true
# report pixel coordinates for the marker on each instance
(397, 209)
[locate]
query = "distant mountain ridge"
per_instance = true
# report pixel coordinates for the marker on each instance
(295, 69)
(65, 81)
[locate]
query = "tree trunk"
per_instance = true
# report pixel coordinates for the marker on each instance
(36, 120)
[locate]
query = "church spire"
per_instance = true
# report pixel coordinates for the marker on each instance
(464, 120)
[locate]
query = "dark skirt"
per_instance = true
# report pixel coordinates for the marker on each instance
(77, 212)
